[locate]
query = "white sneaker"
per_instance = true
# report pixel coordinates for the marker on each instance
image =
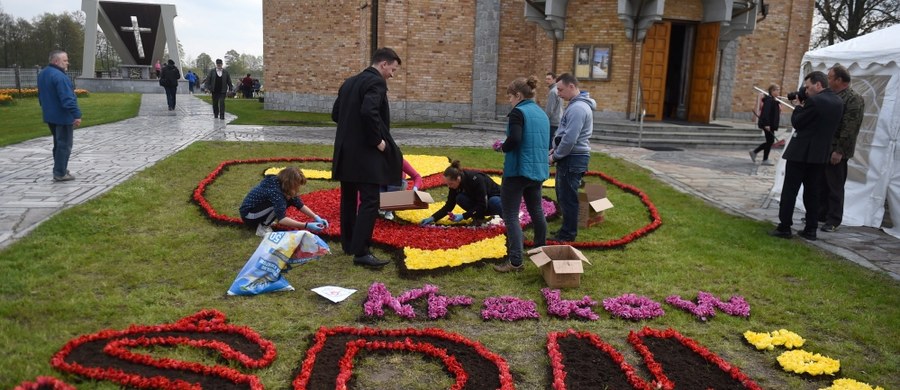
(263, 230)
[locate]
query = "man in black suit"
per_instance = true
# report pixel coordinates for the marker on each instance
(365, 155)
(815, 120)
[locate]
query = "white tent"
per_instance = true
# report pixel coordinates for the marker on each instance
(874, 171)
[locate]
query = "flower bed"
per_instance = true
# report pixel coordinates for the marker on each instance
(419, 244)
(109, 355)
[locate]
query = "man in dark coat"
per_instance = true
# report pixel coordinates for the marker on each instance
(218, 83)
(168, 79)
(365, 155)
(815, 122)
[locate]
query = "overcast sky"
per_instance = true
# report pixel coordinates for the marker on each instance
(213, 27)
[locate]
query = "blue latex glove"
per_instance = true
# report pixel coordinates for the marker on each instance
(321, 220)
(415, 188)
(427, 221)
(314, 227)
(456, 217)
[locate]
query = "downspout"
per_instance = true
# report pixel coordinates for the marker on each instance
(373, 45)
(634, 36)
(555, 48)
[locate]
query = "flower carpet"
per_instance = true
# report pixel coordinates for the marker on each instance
(423, 247)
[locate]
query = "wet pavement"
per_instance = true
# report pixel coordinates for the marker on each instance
(106, 155)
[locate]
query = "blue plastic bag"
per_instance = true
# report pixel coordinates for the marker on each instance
(275, 255)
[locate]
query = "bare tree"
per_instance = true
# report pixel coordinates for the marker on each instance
(840, 20)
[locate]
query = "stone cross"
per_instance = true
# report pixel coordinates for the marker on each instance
(137, 34)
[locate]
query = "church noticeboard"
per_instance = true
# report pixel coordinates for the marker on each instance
(592, 62)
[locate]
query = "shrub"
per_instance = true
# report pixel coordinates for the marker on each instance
(5, 99)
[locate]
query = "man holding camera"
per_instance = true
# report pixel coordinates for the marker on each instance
(831, 196)
(815, 120)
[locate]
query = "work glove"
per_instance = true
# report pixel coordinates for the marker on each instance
(314, 227)
(323, 221)
(456, 217)
(427, 221)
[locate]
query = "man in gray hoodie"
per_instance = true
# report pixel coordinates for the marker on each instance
(571, 151)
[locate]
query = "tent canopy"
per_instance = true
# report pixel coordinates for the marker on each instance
(879, 47)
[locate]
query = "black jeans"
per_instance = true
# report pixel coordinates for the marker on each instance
(170, 96)
(218, 103)
(766, 147)
(810, 176)
(831, 197)
(358, 223)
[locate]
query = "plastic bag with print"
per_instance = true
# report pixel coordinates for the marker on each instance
(274, 256)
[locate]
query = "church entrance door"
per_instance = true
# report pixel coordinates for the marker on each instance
(654, 64)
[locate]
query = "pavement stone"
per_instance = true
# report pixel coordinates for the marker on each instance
(106, 155)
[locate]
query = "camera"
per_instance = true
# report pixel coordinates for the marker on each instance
(799, 95)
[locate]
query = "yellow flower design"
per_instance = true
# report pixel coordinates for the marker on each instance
(768, 341)
(802, 362)
(419, 259)
(850, 384)
(417, 215)
(549, 183)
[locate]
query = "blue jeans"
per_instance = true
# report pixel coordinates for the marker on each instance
(569, 172)
(494, 205)
(512, 191)
(62, 148)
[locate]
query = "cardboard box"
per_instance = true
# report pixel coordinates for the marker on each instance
(592, 203)
(405, 200)
(560, 264)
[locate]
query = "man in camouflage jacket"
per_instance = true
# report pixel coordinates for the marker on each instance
(831, 197)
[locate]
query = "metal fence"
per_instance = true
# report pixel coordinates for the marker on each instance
(25, 77)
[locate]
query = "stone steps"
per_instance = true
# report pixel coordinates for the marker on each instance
(658, 134)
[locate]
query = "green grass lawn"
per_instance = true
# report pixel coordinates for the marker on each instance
(252, 112)
(23, 120)
(143, 254)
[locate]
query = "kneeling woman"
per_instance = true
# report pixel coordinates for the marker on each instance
(267, 203)
(473, 191)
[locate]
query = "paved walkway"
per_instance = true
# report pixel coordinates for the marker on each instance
(106, 155)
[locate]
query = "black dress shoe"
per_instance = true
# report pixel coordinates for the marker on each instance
(780, 233)
(809, 235)
(370, 261)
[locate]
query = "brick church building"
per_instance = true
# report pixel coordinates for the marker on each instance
(683, 60)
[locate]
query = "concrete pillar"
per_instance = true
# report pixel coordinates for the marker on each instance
(485, 59)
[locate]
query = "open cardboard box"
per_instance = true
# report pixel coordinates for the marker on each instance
(560, 264)
(592, 203)
(405, 200)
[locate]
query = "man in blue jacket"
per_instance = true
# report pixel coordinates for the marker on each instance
(571, 151)
(56, 94)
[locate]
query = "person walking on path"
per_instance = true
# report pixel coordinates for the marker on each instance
(59, 106)
(571, 151)
(769, 116)
(157, 68)
(553, 107)
(169, 80)
(525, 168)
(218, 83)
(831, 198)
(815, 122)
(191, 77)
(365, 154)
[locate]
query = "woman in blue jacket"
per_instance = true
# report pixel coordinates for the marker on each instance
(525, 168)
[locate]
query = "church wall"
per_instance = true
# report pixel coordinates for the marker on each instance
(311, 49)
(583, 28)
(525, 50)
(772, 53)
